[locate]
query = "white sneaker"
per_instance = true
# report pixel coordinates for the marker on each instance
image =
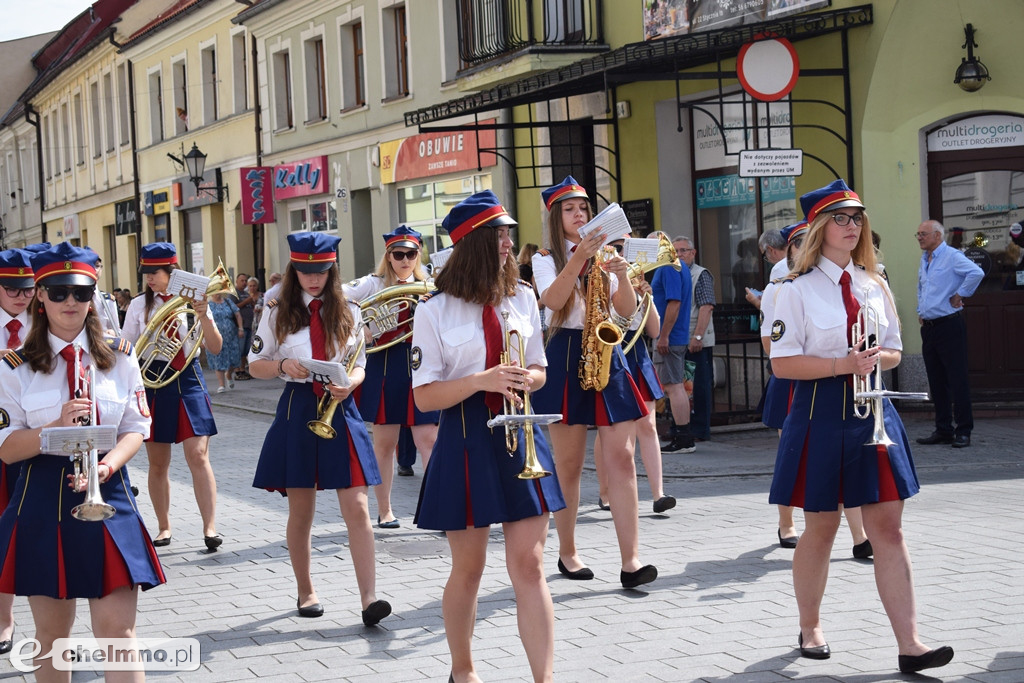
(221, 390)
(231, 384)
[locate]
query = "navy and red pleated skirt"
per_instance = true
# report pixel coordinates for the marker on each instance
(641, 368)
(182, 408)
(385, 396)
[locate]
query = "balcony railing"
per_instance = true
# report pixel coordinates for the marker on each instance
(489, 29)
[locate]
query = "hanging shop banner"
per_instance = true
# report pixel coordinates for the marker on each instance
(257, 194)
(71, 230)
(126, 218)
(978, 132)
(664, 18)
(431, 154)
(300, 178)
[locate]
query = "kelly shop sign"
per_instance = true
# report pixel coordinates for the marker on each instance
(300, 178)
(257, 194)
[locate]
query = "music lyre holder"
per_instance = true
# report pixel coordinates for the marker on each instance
(523, 420)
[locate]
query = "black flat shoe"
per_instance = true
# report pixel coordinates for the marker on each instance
(940, 656)
(788, 542)
(645, 574)
(603, 505)
(961, 441)
(161, 542)
(935, 438)
(310, 611)
(816, 652)
(375, 611)
(390, 524)
(7, 645)
(863, 551)
(583, 574)
(213, 542)
(664, 503)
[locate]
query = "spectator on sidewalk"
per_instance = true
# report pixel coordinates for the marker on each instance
(672, 292)
(946, 277)
(702, 338)
(229, 321)
(247, 294)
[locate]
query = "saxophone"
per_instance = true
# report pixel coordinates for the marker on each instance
(600, 335)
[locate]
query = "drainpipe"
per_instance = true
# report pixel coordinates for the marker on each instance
(130, 66)
(32, 118)
(258, 232)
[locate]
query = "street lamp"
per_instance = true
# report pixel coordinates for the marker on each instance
(971, 75)
(195, 164)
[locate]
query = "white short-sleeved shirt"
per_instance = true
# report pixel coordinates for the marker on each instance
(34, 399)
(135, 322)
(770, 295)
(363, 288)
(448, 339)
(544, 275)
(5, 335)
(297, 344)
(810, 319)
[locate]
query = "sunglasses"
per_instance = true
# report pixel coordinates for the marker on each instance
(616, 247)
(59, 293)
(403, 255)
(15, 292)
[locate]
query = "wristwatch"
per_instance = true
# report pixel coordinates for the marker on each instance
(699, 337)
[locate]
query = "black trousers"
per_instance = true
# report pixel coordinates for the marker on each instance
(944, 347)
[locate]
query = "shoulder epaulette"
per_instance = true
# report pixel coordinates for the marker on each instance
(857, 265)
(526, 284)
(424, 298)
(14, 358)
(120, 344)
(544, 252)
(271, 303)
(106, 296)
(793, 276)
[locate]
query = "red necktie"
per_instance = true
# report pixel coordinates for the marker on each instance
(317, 339)
(14, 340)
(178, 362)
(849, 303)
(494, 341)
(586, 266)
(68, 354)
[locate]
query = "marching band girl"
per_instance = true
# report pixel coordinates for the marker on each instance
(385, 396)
(471, 481)
(312, 320)
(45, 552)
(824, 459)
(15, 296)
(559, 273)
(181, 410)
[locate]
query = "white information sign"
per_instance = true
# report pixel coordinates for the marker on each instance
(771, 163)
(978, 132)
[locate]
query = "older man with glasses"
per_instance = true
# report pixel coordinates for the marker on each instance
(946, 277)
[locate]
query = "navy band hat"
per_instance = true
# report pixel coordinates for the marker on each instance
(16, 269)
(65, 264)
(836, 195)
(157, 255)
(313, 252)
(37, 247)
(475, 211)
(564, 190)
(403, 236)
(792, 232)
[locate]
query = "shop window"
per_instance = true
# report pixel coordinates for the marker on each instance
(122, 104)
(108, 110)
(282, 91)
(240, 71)
(316, 83)
(396, 53)
(313, 217)
(208, 73)
(179, 89)
(97, 120)
(353, 67)
(423, 206)
(156, 107)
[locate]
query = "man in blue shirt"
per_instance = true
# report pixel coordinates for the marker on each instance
(946, 277)
(672, 291)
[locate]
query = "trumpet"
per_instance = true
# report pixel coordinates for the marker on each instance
(532, 468)
(868, 402)
(93, 508)
(166, 335)
(327, 404)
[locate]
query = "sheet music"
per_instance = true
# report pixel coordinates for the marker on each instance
(635, 247)
(71, 440)
(439, 258)
(325, 371)
(611, 222)
(188, 285)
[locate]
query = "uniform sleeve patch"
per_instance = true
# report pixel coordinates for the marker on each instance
(416, 358)
(140, 398)
(257, 344)
(272, 303)
(5, 419)
(778, 329)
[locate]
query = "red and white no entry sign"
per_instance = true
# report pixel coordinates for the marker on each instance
(768, 69)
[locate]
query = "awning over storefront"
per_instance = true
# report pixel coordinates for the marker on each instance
(661, 59)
